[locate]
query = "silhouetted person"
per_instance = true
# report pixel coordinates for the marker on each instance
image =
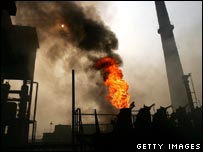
(4, 96)
(161, 124)
(173, 122)
(161, 117)
(23, 100)
(132, 105)
(195, 117)
(143, 118)
(4, 92)
(124, 122)
(185, 128)
(143, 123)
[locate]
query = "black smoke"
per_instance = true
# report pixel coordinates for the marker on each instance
(86, 33)
(83, 41)
(83, 31)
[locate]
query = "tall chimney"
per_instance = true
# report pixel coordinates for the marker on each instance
(173, 65)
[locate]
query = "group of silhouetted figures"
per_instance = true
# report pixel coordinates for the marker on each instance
(179, 127)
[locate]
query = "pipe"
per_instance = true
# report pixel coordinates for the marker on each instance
(34, 116)
(34, 122)
(81, 131)
(73, 106)
(34, 131)
(193, 89)
(188, 91)
(30, 99)
(96, 122)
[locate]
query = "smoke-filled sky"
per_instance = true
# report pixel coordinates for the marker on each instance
(126, 31)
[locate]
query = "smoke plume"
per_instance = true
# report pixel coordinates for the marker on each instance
(70, 36)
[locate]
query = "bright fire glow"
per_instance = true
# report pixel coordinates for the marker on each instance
(118, 95)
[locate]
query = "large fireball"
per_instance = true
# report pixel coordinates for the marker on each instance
(118, 95)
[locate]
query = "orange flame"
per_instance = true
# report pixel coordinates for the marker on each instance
(118, 95)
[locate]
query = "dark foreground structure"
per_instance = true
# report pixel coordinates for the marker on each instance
(18, 53)
(127, 131)
(179, 127)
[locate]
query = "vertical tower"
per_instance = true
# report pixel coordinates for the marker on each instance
(174, 69)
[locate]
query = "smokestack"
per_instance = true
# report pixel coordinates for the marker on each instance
(173, 65)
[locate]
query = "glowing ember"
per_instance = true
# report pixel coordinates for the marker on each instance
(118, 95)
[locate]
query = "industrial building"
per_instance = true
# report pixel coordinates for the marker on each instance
(18, 53)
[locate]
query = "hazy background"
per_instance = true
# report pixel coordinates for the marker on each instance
(135, 25)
